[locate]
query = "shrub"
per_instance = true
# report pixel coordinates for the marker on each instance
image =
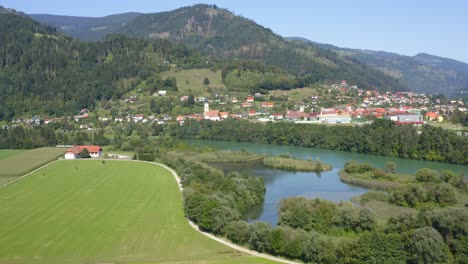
(378, 173)
(374, 196)
(427, 175)
(85, 153)
(238, 232)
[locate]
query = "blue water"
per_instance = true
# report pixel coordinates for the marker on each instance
(327, 185)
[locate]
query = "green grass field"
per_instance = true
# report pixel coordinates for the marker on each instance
(192, 80)
(5, 153)
(102, 212)
(25, 161)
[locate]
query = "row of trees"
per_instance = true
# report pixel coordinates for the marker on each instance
(325, 217)
(20, 137)
(426, 237)
(380, 138)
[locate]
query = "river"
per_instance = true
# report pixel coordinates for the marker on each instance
(327, 185)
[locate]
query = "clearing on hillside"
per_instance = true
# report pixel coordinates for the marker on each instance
(25, 161)
(102, 211)
(192, 80)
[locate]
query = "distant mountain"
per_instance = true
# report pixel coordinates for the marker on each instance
(421, 73)
(86, 28)
(4, 10)
(219, 32)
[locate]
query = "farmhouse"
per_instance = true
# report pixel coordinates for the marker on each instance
(74, 153)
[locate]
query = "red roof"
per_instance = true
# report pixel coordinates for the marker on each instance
(78, 149)
(212, 113)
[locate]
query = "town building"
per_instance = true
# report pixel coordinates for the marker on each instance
(74, 152)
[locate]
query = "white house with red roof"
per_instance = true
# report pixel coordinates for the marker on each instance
(74, 153)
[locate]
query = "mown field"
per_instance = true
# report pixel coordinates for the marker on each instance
(21, 162)
(192, 80)
(102, 212)
(5, 153)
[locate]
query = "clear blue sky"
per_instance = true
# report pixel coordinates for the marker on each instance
(406, 27)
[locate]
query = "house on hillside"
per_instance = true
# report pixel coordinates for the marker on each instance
(74, 153)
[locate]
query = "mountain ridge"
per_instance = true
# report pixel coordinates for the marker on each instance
(422, 72)
(220, 33)
(87, 28)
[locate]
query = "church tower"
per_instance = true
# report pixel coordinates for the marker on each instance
(207, 107)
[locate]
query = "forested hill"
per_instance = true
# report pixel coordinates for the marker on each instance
(422, 73)
(43, 72)
(218, 32)
(86, 28)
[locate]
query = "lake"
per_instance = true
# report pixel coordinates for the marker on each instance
(327, 185)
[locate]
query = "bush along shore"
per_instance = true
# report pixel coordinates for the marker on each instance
(284, 162)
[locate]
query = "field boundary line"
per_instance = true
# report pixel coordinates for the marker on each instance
(29, 173)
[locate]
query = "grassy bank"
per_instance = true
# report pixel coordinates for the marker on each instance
(5, 153)
(292, 164)
(366, 182)
(102, 212)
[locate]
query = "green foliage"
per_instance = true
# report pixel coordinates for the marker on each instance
(295, 164)
(374, 196)
(74, 75)
(413, 195)
(375, 247)
(85, 153)
(385, 140)
(379, 173)
(259, 236)
(211, 199)
(401, 223)
(324, 217)
(427, 175)
(427, 246)
(390, 166)
(238, 232)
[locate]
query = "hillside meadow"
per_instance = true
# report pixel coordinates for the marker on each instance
(102, 211)
(16, 163)
(192, 80)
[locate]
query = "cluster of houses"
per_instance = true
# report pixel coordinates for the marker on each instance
(351, 103)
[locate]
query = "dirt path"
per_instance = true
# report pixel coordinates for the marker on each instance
(222, 240)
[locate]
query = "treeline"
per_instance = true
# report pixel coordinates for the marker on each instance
(425, 237)
(382, 138)
(42, 72)
(19, 137)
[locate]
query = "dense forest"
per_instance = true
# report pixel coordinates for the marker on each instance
(44, 72)
(382, 138)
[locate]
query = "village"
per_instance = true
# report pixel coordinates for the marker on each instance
(335, 104)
